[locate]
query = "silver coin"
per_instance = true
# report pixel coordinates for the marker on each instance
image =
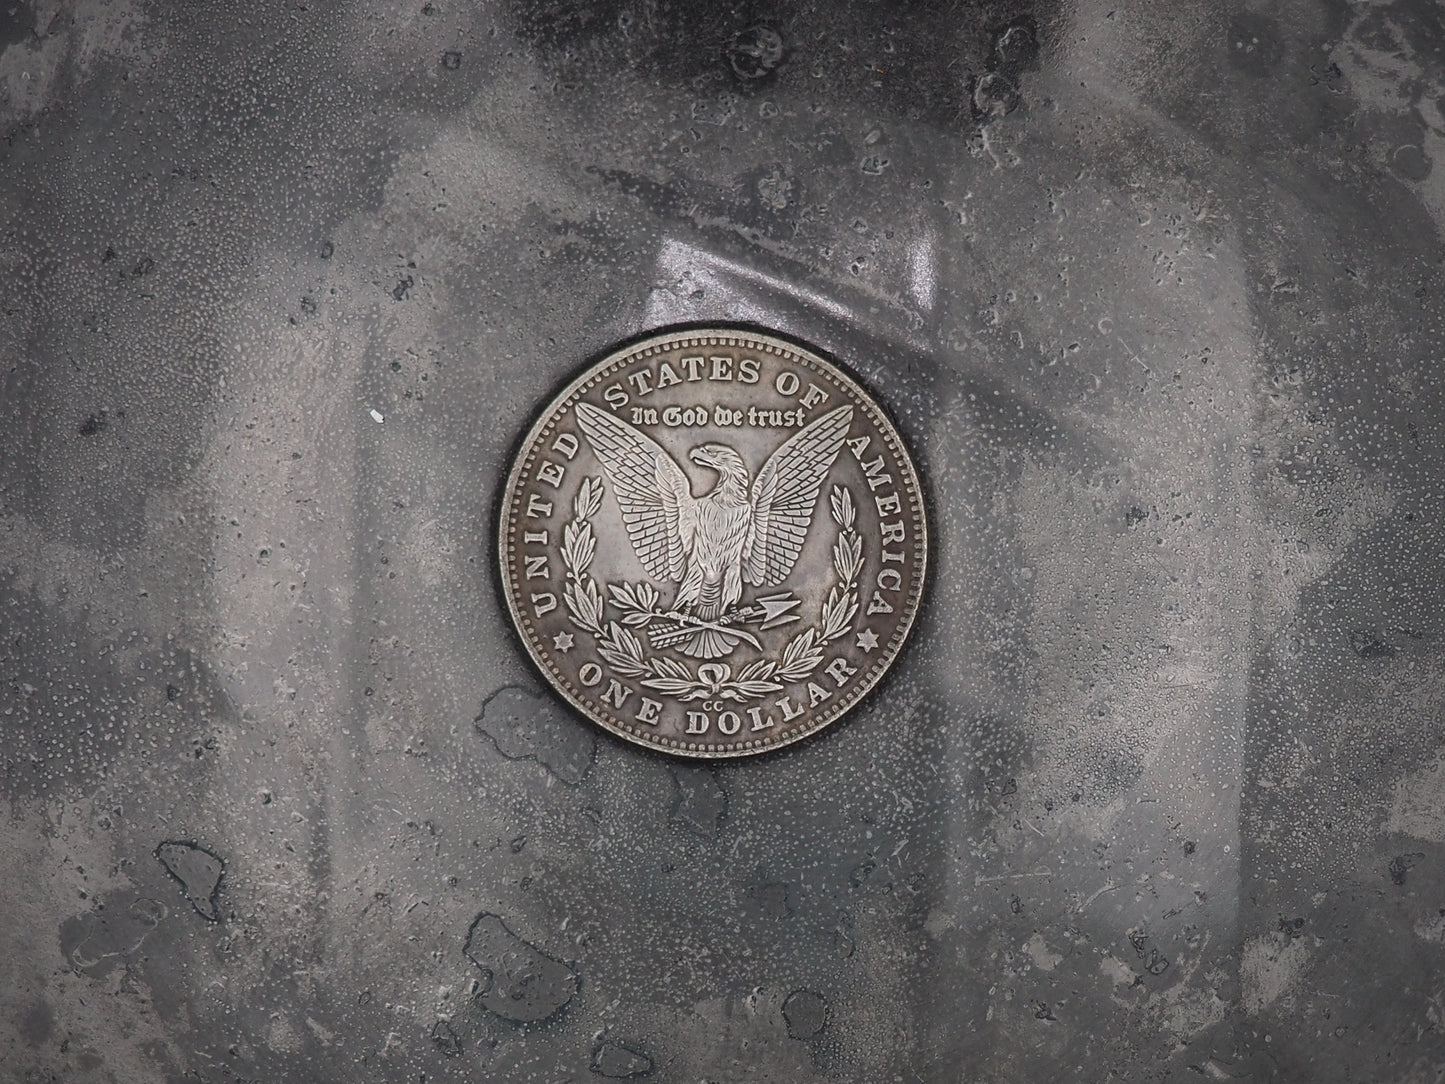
(713, 542)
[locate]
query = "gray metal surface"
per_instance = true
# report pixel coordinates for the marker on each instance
(1153, 291)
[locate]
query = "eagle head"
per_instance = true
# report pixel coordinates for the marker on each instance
(721, 458)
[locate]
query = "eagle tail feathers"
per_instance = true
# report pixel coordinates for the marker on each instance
(708, 644)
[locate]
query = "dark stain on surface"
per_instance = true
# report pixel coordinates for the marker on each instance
(1369, 644)
(701, 802)
(755, 52)
(806, 1014)
(37, 1023)
(770, 899)
(444, 1036)
(17, 23)
(526, 726)
(920, 61)
(199, 873)
(95, 942)
(1015, 52)
(620, 1061)
(93, 424)
(1255, 45)
(523, 984)
(1402, 864)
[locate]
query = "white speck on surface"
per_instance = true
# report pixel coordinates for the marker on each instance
(938, 923)
(1118, 971)
(1415, 808)
(320, 1032)
(377, 416)
(1431, 929)
(1269, 967)
(1044, 958)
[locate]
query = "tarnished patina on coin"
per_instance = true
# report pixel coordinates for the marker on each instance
(713, 542)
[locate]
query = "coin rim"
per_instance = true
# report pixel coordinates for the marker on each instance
(711, 335)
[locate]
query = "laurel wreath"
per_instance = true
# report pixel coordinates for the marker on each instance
(622, 650)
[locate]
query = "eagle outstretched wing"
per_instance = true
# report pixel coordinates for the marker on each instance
(651, 489)
(784, 494)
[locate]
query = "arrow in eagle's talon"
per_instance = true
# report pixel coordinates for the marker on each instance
(772, 611)
(667, 637)
(776, 609)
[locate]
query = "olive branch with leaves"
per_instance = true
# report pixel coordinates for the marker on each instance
(638, 605)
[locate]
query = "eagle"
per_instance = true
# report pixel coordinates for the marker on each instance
(743, 530)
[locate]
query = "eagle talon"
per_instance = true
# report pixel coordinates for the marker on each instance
(668, 636)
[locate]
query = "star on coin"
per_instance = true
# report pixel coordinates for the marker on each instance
(867, 639)
(563, 642)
